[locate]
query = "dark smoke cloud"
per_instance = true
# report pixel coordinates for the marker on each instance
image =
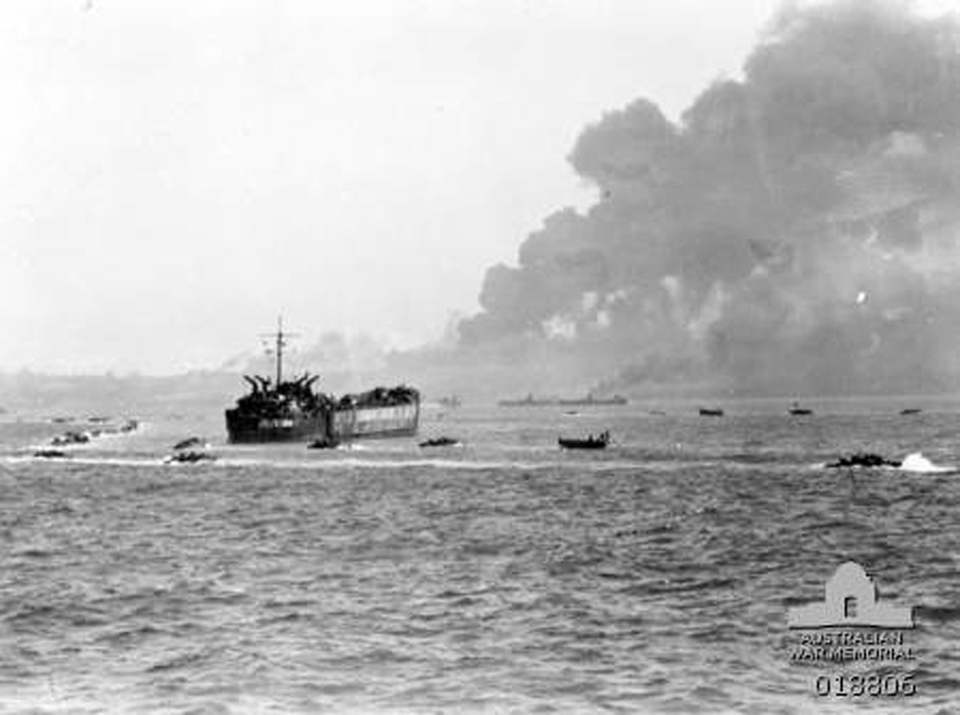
(796, 230)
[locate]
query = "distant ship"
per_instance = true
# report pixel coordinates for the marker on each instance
(589, 399)
(797, 411)
(590, 442)
(528, 401)
(711, 412)
(290, 410)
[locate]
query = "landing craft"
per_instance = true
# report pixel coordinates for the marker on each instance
(589, 442)
(290, 410)
(443, 441)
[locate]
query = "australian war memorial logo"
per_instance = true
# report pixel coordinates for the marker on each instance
(853, 628)
(851, 600)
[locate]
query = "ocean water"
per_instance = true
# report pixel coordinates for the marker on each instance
(503, 575)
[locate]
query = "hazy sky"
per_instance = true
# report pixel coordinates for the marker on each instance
(175, 174)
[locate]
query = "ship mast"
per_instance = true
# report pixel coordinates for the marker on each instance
(280, 343)
(279, 348)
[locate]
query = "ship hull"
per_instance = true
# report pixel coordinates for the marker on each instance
(244, 428)
(342, 424)
(372, 422)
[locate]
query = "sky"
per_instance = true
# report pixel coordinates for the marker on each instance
(174, 175)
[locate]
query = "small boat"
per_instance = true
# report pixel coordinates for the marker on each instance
(190, 458)
(862, 460)
(911, 411)
(70, 438)
(190, 442)
(450, 401)
(51, 454)
(324, 443)
(711, 412)
(797, 411)
(913, 463)
(440, 442)
(589, 442)
(129, 425)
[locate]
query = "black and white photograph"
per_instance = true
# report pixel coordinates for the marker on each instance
(420, 357)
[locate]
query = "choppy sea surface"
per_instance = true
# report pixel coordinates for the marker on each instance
(503, 575)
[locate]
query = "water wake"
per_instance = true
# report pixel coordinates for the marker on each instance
(919, 464)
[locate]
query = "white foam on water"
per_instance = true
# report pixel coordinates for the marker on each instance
(352, 447)
(338, 462)
(917, 463)
(355, 463)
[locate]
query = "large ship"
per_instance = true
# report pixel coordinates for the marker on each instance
(531, 401)
(281, 410)
(589, 399)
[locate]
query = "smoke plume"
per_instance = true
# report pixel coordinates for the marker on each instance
(796, 230)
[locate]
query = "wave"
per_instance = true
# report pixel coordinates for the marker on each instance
(330, 462)
(438, 463)
(334, 463)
